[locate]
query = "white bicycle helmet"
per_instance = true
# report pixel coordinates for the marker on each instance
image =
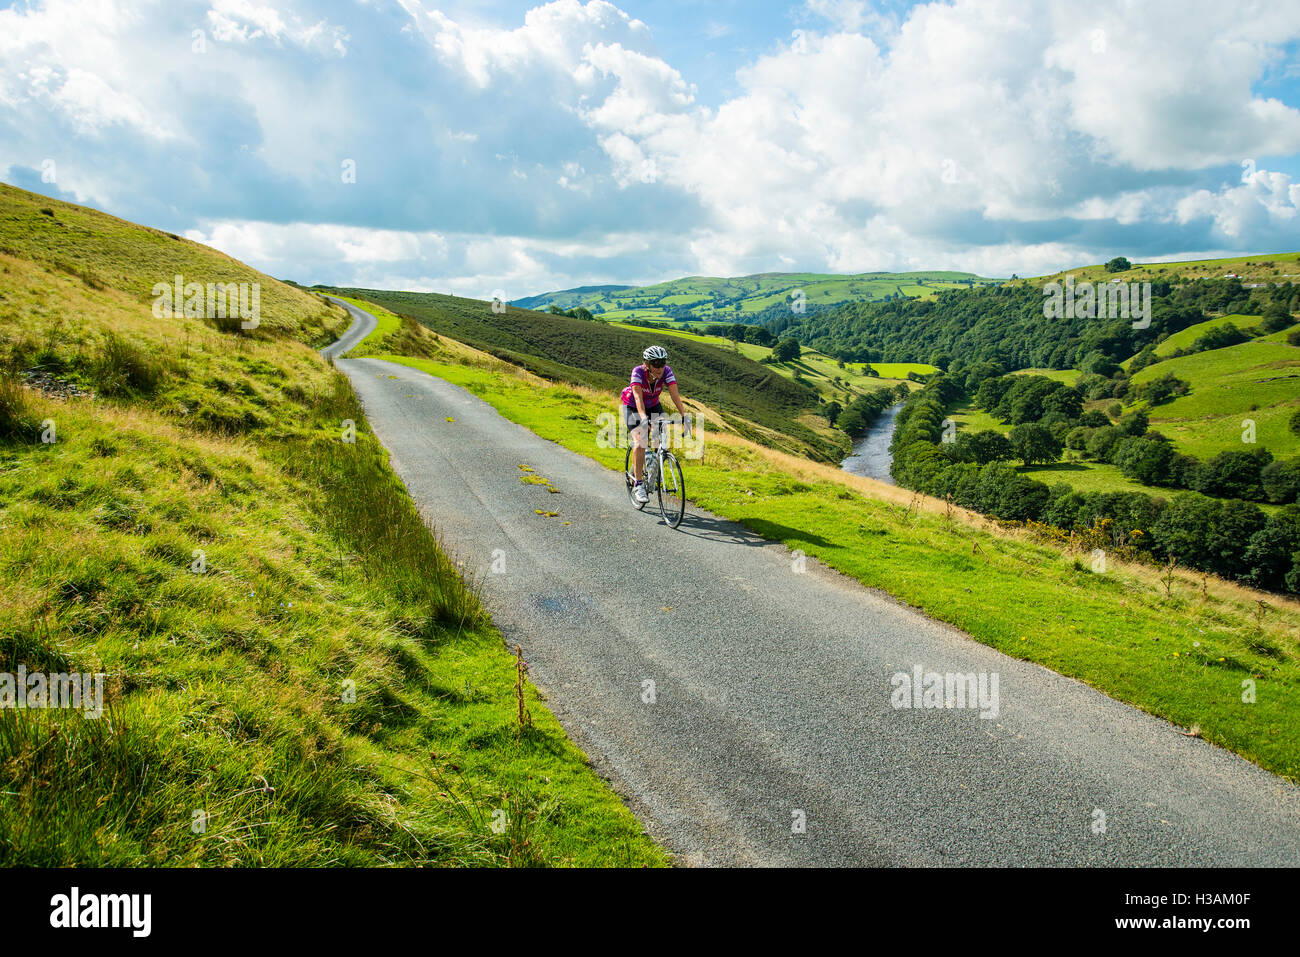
(655, 352)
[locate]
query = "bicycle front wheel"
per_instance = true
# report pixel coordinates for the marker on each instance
(672, 491)
(630, 481)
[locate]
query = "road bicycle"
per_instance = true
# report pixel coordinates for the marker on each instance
(663, 476)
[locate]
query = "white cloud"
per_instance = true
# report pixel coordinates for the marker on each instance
(242, 21)
(996, 136)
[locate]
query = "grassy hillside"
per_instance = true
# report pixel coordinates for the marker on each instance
(1186, 338)
(1257, 380)
(296, 674)
(1179, 649)
(754, 399)
(700, 298)
(1264, 267)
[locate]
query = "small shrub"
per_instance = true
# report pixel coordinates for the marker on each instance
(16, 419)
(124, 369)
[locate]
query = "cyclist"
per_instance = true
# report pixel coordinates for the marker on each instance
(641, 400)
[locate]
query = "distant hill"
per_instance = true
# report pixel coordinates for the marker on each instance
(1259, 267)
(749, 298)
(568, 298)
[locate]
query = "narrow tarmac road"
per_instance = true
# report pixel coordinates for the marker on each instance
(743, 707)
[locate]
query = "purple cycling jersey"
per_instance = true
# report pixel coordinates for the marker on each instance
(649, 393)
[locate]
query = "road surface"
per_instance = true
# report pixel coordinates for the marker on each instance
(742, 706)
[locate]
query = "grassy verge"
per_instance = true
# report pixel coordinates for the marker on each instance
(296, 674)
(1187, 649)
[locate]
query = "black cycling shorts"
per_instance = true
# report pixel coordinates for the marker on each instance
(633, 418)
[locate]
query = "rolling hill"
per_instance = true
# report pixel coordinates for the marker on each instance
(743, 299)
(1264, 267)
(295, 674)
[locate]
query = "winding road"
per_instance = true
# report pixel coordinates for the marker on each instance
(740, 700)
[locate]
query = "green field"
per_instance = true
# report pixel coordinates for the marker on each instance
(733, 300)
(1068, 376)
(1257, 381)
(1186, 338)
(900, 370)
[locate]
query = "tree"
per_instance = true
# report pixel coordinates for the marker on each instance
(1102, 442)
(1146, 459)
(1098, 363)
(786, 350)
(1034, 443)
(983, 447)
(1119, 264)
(1094, 419)
(1220, 337)
(1162, 389)
(832, 411)
(1281, 481)
(1272, 551)
(1276, 318)
(1233, 474)
(1077, 438)
(1135, 423)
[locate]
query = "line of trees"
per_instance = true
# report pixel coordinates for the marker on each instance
(1048, 417)
(1232, 538)
(1005, 325)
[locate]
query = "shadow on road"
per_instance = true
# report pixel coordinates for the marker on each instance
(754, 531)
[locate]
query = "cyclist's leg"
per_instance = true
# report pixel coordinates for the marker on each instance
(636, 430)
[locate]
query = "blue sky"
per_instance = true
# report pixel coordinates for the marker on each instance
(517, 147)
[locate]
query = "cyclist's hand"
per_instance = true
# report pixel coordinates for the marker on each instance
(686, 427)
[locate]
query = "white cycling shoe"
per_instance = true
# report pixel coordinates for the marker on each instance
(639, 493)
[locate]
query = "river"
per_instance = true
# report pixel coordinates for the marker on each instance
(871, 452)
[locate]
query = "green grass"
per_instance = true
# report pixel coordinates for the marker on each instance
(1264, 267)
(288, 651)
(1181, 656)
(900, 370)
(1186, 338)
(1087, 476)
(970, 419)
(1257, 381)
(1067, 376)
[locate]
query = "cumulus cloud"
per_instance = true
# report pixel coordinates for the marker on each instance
(390, 142)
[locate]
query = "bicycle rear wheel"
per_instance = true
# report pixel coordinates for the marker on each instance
(631, 482)
(672, 491)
